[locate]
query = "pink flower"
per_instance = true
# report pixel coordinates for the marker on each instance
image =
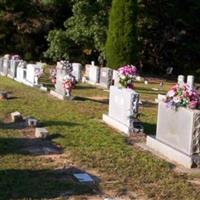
(193, 104)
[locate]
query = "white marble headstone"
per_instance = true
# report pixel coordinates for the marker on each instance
(13, 68)
(105, 77)
(121, 104)
(33, 70)
(21, 72)
(176, 128)
(190, 81)
(116, 78)
(181, 80)
(77, 68)
(94, 74)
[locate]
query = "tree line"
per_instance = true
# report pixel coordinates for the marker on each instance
(152, 34)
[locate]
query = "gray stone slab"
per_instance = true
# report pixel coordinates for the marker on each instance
(16, 116)
(21, 72)
(31, 122)
(116, 78)
(77, 69)
(1, 65)
(41, 133)
(179, 129)
(12, 72)
(6, 66)
(94, 74)
(105, 77)
(33, 71)
(168, 152)
(123, 107)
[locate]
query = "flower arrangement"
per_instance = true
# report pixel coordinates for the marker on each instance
(182, 97)
(15, 57)
(53, 75)
(69, 83)
(127, 75)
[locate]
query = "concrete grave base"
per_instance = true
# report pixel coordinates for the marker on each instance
(9, 76)
(90, 82)
(171, 153)
(116, 124)
(61, 97)
(57, 95)
(2, 74)
(41, 133)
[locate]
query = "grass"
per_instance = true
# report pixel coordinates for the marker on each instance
(91, 144)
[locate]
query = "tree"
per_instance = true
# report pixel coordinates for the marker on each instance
(86, 27)
(121, 44)
(169, 35)
(24, 25)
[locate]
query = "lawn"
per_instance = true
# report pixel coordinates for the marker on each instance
(88, 144)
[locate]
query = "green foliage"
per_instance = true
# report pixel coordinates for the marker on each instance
(88, 24)
(24, 25)
(88, 142)
(86, 27)
(121, 45)
(59, 45)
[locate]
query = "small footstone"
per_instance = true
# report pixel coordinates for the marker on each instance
(41, 133)
(16, 117)
(3, 95)
(31, 122)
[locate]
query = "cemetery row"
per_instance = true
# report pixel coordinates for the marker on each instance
(178, 132)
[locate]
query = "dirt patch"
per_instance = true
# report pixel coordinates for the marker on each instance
(99, 98)
(37, 146)
(136, 138)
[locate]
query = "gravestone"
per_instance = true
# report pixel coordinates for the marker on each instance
(87, 71)
(16, 117)
(178, 132)
(41, 133)
(94, 74)
(33, 72)
(6, 65)
(63, 68)
(12, 72)
(77, 67)
(3, 95)
(177, 135)
(1, 65)
(21, 72)
(105, 77)
(181, 80)
(115, 78)
(123, 110)
(190, 81)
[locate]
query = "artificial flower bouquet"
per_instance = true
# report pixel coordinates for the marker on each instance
(69, 82)
(127, 75)
(182, 97)
(15, 57)
(53, 72)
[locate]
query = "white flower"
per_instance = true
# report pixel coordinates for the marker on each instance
(176, 99)
(171, 93)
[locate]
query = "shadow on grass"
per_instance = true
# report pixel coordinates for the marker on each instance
(149, 129)
(22, 125)
(59, 123)
(102, 101)
(29, 146)
(44, 184)
(148, 104)
(84, 87)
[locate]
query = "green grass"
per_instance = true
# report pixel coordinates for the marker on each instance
(91, 144)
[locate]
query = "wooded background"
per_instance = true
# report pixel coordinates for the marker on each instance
(156, 34)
